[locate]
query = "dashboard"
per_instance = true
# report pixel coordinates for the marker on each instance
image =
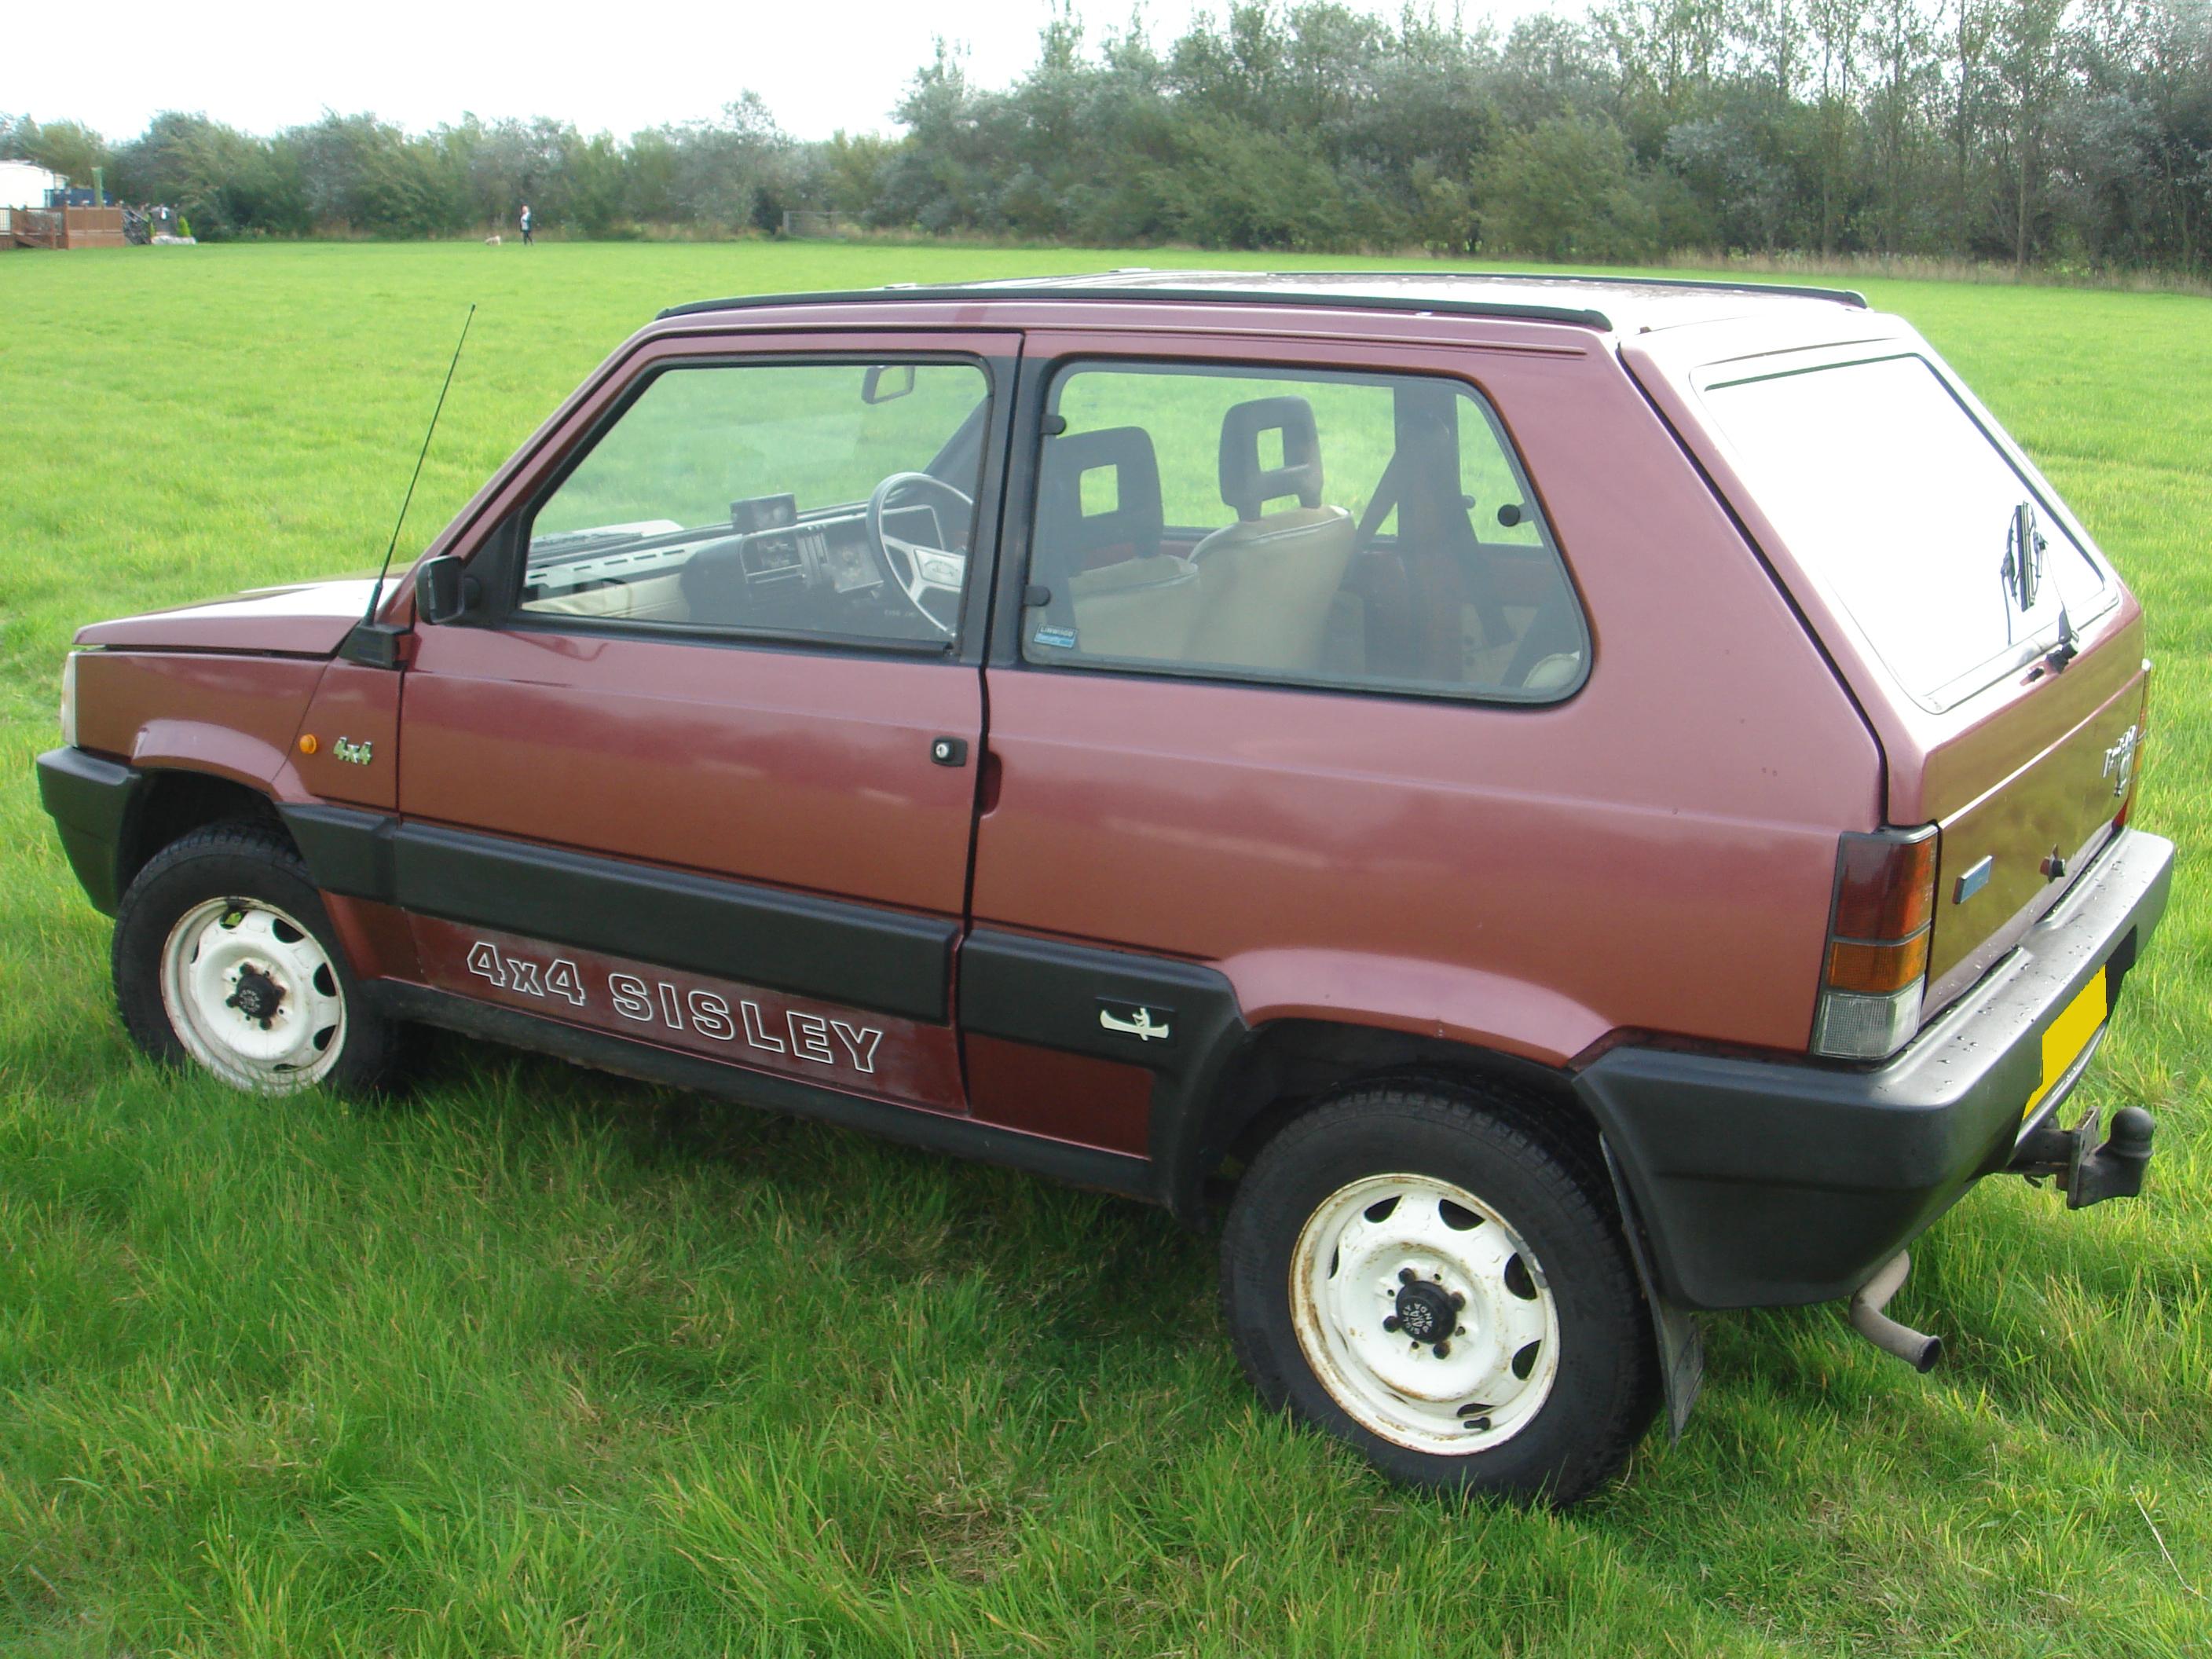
(768, 543)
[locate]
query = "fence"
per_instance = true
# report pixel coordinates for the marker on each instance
(33, 227)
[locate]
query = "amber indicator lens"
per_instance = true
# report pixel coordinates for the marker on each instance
(306, 743)
(1876, 969)
(1885, 885)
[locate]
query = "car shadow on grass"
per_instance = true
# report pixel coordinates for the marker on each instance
(1081, 1267)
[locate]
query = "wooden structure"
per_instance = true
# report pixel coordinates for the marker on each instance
(92, 227)
(61, 227)
(34, 228)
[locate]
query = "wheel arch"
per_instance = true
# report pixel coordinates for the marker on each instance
(1285, 1067)
(171, 802)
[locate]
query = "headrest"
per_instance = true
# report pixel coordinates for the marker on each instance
(1067, 534)
(1246, 485)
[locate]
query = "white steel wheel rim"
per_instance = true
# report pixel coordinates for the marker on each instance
(1376, 1265)
(252, 995)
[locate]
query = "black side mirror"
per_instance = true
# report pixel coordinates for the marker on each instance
(443, 590)
(884, 381)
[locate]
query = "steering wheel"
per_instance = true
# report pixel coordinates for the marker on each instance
(918, 570)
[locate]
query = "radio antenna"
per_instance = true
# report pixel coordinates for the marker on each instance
(376, 592)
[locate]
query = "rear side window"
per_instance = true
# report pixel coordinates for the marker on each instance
(1884, 485)
(1355, 531)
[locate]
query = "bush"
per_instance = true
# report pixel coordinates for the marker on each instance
(1568, 191)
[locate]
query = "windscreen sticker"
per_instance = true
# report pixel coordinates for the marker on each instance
(1062, 639)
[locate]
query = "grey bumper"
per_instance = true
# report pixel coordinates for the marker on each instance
(1766, 1183)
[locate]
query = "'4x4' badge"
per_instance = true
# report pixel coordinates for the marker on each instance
(354, 753)
(1135, 1019)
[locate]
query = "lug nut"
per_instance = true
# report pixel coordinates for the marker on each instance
(1406, 1275)
(1390, 1323)
(1459, 1298)
(1442, 1350)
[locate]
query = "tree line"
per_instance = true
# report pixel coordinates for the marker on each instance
(2076, 133)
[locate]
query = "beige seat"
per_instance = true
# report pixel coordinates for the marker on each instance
(1104, 569)
(1270, 579)
(1137, 608)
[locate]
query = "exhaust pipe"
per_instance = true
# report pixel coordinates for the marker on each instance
(1916, 1348)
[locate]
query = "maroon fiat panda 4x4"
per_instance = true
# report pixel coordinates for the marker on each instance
(1562, 804)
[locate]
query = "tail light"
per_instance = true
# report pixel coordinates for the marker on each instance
(1875, 968)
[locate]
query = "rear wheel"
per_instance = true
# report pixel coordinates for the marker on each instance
(1428, 1271)
(224, 957)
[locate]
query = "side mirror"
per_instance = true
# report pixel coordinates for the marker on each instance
(884, 381)
(443, 590)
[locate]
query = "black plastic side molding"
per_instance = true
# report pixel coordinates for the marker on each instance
(1178, 1019)
(941, 1132)
(888, 960)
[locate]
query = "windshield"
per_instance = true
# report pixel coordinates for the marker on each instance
(1885, 487)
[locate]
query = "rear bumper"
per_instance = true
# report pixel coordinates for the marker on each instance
(89, 800)
(1767, 1184)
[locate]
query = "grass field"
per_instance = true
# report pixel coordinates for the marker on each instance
(536, 1362)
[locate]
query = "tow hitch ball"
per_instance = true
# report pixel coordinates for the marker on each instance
(2092, 1173)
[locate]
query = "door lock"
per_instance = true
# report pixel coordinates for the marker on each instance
(948, 751)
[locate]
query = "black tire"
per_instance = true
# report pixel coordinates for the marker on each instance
(1581, 1424)
(254, 865)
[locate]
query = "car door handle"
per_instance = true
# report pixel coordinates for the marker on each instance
(948, 751)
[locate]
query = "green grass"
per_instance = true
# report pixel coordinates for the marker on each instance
(536, 1362)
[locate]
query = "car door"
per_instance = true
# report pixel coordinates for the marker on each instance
(696, 766)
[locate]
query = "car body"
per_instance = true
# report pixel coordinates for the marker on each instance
(1672, 719)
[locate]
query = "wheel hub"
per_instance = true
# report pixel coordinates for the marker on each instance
(252, 995)
(1423, 1313)
(1426, 1312)
(257, 997)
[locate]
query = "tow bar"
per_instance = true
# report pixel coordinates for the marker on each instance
(2092, 1173)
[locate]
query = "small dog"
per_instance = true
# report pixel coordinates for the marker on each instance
(492, 240)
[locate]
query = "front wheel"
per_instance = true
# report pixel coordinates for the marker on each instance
(224, 957)
(1428, 1271)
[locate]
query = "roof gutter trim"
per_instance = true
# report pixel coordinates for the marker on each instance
(942, 293)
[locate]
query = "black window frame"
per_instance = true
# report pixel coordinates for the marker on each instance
(1035, 398)
(499, 560)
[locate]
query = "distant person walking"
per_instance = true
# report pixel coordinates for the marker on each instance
(528, 240)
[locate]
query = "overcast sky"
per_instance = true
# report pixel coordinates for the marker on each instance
(821, 64)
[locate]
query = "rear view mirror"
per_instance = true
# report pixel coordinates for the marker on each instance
(884, 381)
(443, 590)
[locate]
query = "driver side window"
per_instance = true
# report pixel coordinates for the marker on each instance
(832, 500)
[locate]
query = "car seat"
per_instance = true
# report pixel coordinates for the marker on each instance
(1123, 595)
(1270, 578)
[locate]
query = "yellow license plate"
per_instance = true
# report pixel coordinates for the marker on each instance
(2068, 1036)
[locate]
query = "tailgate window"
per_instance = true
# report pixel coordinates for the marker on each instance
(1887, 490)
